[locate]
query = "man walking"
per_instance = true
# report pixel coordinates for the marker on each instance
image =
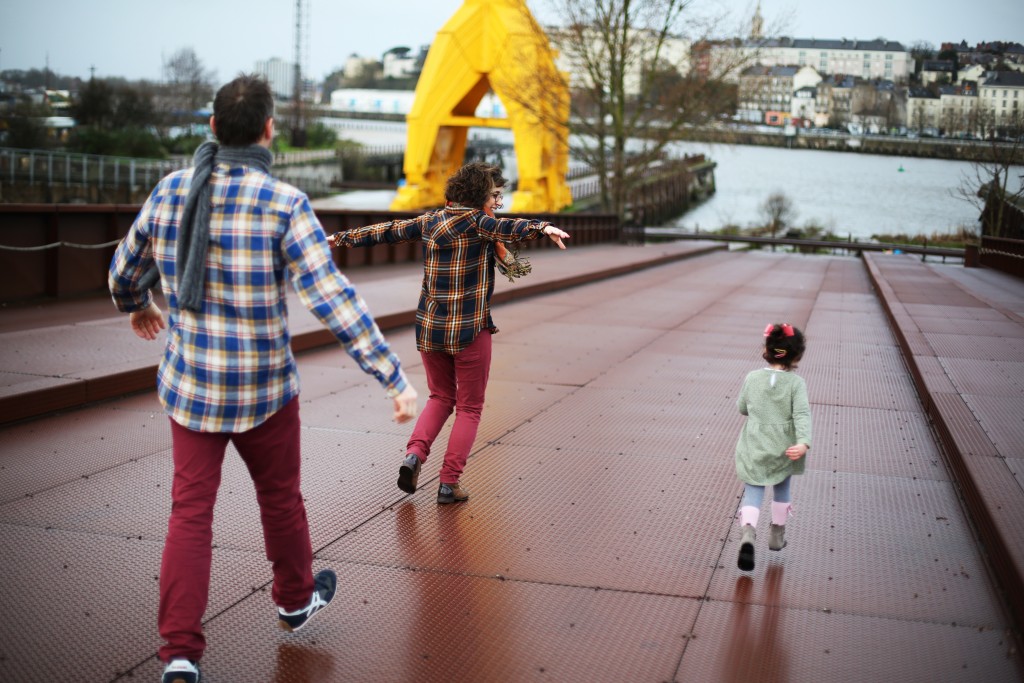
(224, 237)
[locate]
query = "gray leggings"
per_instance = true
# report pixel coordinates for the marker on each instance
(754, 495)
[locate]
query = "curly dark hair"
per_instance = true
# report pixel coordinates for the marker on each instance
(781, 348)
(471, 184)
(241, 109)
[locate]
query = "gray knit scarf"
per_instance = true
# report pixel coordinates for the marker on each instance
(194, 227)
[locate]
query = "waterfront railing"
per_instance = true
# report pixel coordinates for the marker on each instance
(809, 245)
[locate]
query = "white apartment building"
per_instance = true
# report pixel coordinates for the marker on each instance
(1002, 93)
(870, 59)
(924, 109)
(280, 74)
(958, 105)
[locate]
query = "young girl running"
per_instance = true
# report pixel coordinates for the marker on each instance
(775, 437)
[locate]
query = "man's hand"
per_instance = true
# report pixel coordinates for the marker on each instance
(147, 323)
(405, 405)
(556, 235)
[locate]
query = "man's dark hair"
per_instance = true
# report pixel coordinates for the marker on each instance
(471, 184)
(241, 109)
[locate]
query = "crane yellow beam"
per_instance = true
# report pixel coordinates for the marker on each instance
(489, 45)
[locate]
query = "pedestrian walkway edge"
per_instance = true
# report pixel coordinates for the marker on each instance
(986, 484)
(55, 394)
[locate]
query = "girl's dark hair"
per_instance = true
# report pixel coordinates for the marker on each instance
(470, 185)
(784, 344)
(241, 109)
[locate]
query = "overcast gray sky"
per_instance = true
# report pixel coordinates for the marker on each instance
(130, 38)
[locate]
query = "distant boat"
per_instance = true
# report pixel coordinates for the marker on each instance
(901, 168)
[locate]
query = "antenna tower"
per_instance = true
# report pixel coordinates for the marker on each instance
(298, 106)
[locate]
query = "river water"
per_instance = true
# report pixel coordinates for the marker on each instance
(847, 193)
(850, 194)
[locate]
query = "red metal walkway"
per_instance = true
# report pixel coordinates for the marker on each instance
(599, 544)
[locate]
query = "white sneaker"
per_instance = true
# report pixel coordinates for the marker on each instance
(181, 671)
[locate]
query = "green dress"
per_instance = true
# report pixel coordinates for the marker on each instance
(778, 416)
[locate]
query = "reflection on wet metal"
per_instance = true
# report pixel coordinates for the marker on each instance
(756, 651)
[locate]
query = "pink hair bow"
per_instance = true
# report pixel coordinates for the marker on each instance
(768, 330)
(787, 329)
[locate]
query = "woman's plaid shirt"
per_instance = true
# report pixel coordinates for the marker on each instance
(230, 367)
(458, 268)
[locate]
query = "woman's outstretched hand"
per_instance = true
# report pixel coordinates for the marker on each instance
(556, 235)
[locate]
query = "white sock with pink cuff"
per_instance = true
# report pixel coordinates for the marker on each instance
(781, 512)
(749, 515)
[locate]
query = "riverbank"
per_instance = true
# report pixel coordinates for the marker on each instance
(835, 141)
(849, 195)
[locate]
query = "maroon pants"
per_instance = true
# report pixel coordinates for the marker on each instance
(456, 383)
(271, 453)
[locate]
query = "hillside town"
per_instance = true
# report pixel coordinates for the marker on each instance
(853, 85)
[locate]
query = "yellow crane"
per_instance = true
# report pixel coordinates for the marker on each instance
(489, 46)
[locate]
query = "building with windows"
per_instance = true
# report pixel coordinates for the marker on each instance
(937, 71)
(958, 106)
(869, 59)
(803, 108)
(924, 110)
(279, 74)
(765, 93)
(1002, 93)
(834, 99)
(878, 106)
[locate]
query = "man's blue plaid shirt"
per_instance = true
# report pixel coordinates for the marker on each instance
(229, 367)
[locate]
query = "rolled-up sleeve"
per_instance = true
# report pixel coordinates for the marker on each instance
(510, 229)
(329, 295)
(391, 232)
(132, 258)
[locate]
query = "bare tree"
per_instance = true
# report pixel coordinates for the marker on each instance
(950, 123)
(919, 52)
(189, 85)
(984, 120)
(779, 211)
(641, 72)
(996, 181)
